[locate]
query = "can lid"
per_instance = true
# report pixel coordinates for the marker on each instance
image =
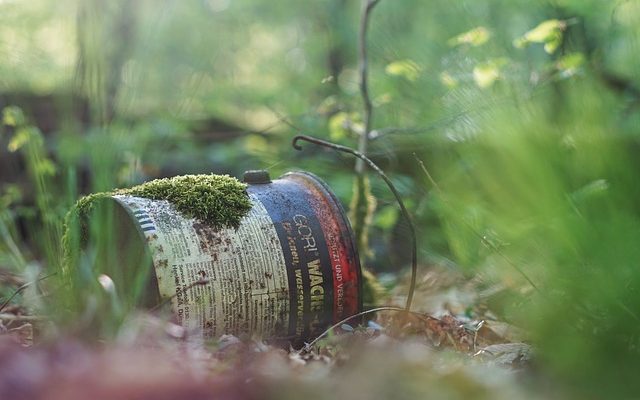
(256, 176)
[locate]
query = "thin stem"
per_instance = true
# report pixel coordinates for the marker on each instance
(403, 209)
(367, 7)
(21, 288)
(14, 251)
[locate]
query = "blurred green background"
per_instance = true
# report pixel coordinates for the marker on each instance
(525, 113)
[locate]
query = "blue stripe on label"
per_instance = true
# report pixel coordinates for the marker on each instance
(148, 228)
(298, 214)
(145, 221)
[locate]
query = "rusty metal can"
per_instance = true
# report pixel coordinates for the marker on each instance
(289, 271)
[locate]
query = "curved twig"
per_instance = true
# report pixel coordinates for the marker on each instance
(23, 287)
(403, 209)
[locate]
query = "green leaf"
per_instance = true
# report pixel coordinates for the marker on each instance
(45, 167)
(342, 123)
(328, 105)
(544, 31)
(548, 32)
(11, 195)
(23, 136)
(407, 69)
(255, 144)
(337, 126)
(386, 218)
(570, 64)
(593, 189)
(19, 139)
(475, 37)
(485, 74)
(554, 42)
(13, 116)
(448, 80)
(383, 99)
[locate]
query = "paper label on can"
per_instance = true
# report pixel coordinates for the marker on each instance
(225, 281)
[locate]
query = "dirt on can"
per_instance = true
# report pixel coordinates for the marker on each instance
(289, 271)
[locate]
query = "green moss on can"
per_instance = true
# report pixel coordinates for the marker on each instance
(218, 200)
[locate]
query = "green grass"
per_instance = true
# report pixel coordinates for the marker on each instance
(535, 153)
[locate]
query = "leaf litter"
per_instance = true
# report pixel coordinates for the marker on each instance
(439, 351)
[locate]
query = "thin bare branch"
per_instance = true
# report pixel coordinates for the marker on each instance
(367, 7)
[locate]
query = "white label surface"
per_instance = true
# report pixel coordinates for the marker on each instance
(223, 281)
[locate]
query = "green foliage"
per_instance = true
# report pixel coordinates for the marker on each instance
(475, 37)
(535, 151)
(407, 69)
(485, 74)
(548, 32)
(565, 216)
(29, 142)
(341, 125)
(387, 217)
(570, 64)
(13, 116)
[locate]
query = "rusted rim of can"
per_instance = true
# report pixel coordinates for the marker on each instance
(335, 203)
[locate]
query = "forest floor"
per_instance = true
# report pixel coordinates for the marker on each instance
(439, 352)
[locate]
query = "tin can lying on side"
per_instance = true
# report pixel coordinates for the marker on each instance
(289, 271)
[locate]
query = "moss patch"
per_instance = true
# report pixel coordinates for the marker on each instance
(219, 200)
